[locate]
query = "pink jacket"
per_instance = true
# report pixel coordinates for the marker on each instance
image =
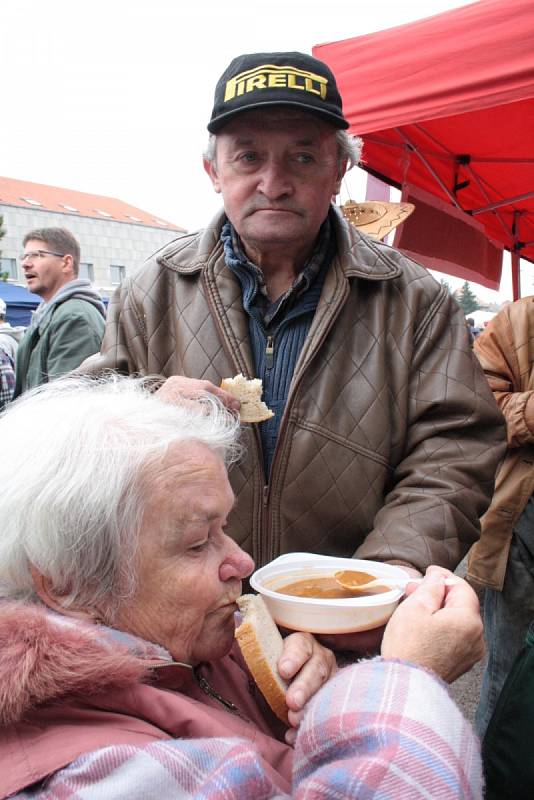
(67, 688)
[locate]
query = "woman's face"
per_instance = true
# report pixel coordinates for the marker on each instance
(189, 571)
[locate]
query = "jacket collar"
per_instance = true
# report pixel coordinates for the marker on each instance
(45, 657)
(360, 255)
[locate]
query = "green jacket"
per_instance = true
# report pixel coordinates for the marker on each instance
(71, 332)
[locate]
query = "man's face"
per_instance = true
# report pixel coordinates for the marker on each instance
(189, 570)
(277, 172)
(45, 274)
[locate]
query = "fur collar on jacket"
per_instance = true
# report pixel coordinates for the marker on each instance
(46, 657)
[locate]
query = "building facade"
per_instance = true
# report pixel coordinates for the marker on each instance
(115, 237)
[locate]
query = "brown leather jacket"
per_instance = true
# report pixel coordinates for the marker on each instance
(506, 351)
(390, 438)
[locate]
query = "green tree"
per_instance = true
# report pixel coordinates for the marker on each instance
(467, 299)
(446, 285)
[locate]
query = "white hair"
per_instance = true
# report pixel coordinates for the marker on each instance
(71, 500)
(349, 148)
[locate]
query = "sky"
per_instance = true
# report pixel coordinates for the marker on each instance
(112, 97)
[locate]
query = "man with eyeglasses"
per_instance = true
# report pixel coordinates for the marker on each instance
(69, 324)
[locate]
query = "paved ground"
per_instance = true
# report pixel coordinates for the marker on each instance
(466, 691)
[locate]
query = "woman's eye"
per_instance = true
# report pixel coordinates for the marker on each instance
(197, 548)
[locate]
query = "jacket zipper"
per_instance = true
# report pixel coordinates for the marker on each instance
(269, 353)
(234, 357)
(268, 533)
(210, 691)
(204, 685)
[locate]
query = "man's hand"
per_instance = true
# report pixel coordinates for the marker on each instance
(178, 388)
(307, 665)
(437, 626)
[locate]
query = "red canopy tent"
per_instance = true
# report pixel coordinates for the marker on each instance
(446, 104)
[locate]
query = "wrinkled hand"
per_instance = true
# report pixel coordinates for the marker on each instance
(437, 626)
(178, 388)
(307, 665)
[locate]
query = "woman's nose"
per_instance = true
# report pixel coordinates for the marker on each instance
(237, 564)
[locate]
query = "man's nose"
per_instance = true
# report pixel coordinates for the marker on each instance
(274, 180)
(237, 563)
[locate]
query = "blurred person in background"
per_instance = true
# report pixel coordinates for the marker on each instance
(9, 336)
(503, 560)
(9, 340)
(68, 325)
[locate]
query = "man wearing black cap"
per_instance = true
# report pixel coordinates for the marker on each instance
(380, 410)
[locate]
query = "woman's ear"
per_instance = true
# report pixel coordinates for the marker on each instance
(55, 601)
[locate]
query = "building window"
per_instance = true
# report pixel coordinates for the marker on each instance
(116, 274)
(9, 265)
(86, 271)
(31, 201)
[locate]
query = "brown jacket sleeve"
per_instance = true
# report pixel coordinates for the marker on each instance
(505, 350)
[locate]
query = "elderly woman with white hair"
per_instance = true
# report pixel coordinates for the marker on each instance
(119, 676)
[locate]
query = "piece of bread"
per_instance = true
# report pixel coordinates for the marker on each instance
(261, 644)
(253, 409)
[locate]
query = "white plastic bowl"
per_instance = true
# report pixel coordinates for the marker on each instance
(325, 615)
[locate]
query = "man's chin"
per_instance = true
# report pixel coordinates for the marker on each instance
(267, 235)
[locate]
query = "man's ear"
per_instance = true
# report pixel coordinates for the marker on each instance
(342, 168)
(68, 265)
(46, 593)
(211, 169)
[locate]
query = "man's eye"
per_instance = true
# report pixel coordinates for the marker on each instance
(248, 157)
(304, 158)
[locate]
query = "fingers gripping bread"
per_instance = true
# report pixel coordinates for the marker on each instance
(253, 409)
(261, 644)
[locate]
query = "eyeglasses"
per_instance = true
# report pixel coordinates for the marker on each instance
(33, 254)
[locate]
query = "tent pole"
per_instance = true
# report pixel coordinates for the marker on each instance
(434, 174)
(516, 288)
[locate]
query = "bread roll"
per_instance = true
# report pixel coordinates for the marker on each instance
(261, 644)
(253, 409)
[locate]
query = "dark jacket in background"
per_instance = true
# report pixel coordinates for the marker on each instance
(57, 342)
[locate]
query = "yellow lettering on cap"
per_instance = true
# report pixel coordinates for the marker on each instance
(256, 82)
(270, 76)
(292, 82)
(311, 88)
(277, 79)
(231, 88)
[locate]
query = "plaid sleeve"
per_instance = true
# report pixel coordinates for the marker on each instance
(386, 730)
(7, 380)
(380, 730)
(175, 769)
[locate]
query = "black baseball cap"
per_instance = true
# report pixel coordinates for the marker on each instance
(256, 80)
